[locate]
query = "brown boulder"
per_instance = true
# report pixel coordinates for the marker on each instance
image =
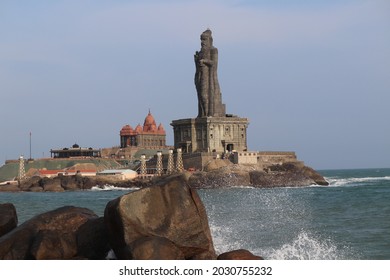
(240, 254)
(155, 248)
(92, 240)
(53, 245)
(8, 218)
(170, 210)
(24, 242)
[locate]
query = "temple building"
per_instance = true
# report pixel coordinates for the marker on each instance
(147, 136)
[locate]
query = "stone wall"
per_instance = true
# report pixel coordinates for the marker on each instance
(198, 160)
(264, 159)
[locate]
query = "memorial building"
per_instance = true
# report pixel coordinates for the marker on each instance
(147, 136)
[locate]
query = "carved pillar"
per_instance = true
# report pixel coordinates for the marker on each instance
(22, 172)
(159, 165)
(143, 166)
(179, 161)
(170, 166)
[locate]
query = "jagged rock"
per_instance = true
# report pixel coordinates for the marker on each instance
(240, 254)
(8, 218)
(24, 242)
(170, 210)
(318, 179)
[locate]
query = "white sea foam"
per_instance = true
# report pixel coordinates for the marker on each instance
(338, 182)
(221, 240)
(111, 188)
(305, 247)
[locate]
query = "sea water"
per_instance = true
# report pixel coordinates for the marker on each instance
(350, 219)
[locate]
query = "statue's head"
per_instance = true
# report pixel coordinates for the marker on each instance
(206, 40)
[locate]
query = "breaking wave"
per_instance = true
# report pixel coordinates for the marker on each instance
(340, 182)
(112, 188)
(308, 247)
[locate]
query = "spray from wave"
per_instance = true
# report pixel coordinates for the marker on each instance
(355, 181)
(309, 247)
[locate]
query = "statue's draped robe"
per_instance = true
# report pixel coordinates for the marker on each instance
(206, 82)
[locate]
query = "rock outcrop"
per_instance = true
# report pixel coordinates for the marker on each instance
(293, 174)
(169, 215)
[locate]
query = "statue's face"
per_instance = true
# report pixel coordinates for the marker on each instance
(205, 41)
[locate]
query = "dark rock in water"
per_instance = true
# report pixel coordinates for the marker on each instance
(35, 237)
(8, 218)
(240, 254)
(291, 174)
(286, 175)
(318, 178)
(170, 210)
(155, 248)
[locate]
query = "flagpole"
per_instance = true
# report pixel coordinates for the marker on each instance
(30, 146)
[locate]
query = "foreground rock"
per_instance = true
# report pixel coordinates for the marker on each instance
(58, 234)
(169, 216)
(240, 254)
(166, 221)
(8, 218)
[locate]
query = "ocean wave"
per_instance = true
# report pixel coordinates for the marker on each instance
(353, 181)
(308, 247)
(112, 188)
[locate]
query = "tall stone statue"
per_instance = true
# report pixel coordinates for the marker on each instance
(206, 79)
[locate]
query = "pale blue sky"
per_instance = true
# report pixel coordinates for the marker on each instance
(312, 76)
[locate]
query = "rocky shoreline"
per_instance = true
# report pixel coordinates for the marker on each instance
(219, 174)
(164, 221)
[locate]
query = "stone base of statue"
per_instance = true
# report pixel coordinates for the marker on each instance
(211, 134)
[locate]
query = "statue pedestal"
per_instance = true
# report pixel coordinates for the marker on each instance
(211, 134)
